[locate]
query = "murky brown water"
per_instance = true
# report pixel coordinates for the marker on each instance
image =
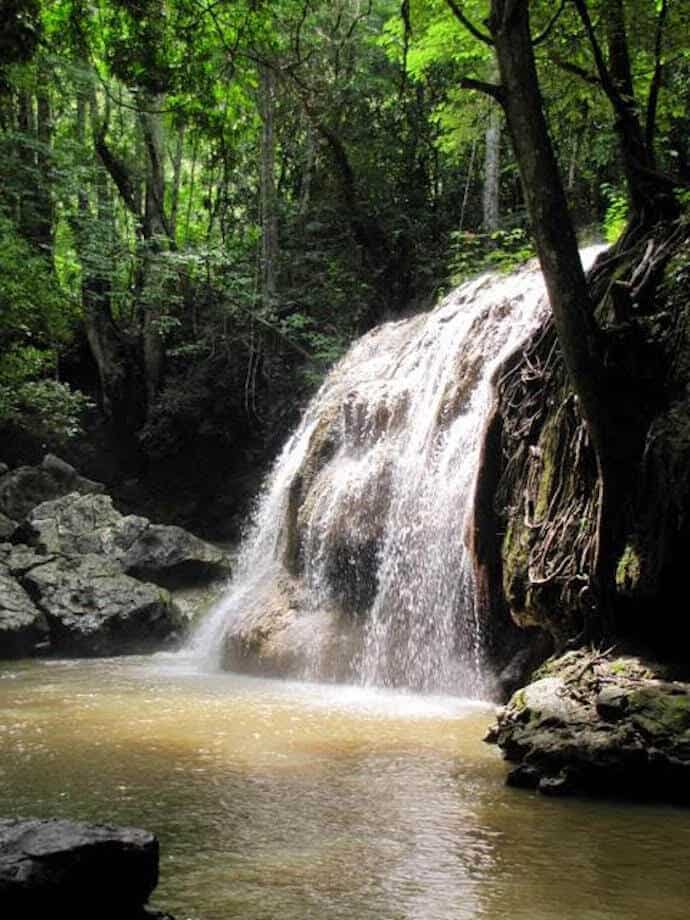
(305, 802)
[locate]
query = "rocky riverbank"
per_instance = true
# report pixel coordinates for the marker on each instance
(592, 723)
(79, 578)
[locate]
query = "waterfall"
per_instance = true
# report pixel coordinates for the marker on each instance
(359, 546)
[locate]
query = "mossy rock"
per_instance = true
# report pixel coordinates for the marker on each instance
(660, 712)
(628, 571)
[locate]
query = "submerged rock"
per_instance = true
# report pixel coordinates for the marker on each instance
(590, 724)
(92, 608)
(27, 486)
(23, 627)
(54, 866)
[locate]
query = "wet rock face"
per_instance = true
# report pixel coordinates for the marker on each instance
(53, 867)
(279, 637)
(596, 725)
(546, 493)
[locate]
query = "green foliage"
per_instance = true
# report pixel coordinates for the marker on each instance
(32, 307)
(47, 409)
(377, 160)
(36, 319)
(616, 215)
(503, 250)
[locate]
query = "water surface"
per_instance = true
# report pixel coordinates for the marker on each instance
(312, 802)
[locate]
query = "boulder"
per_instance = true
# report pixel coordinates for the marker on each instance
(594, 725)
(77, 524)
(92, 608)
(7, 527)
(276, 635)
(23, 627)
(52, 867)
(19, 558)
(23, 488)
(164, 549)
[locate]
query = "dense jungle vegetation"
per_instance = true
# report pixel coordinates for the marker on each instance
(202, 202)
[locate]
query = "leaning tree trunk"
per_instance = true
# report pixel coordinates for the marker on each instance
(617, 447)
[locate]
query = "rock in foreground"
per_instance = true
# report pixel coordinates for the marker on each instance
(594, 725)
(53, 867)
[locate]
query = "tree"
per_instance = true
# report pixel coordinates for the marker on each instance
(616, 433)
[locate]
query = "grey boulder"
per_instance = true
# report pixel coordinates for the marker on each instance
(23, 488)
(7, 527)
(77, 524)
(23, 627)
(92, 608)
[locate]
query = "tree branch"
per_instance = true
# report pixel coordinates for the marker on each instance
(490, 89)
(118, 172)
(605, 78)
(471, 28)
(655, 85)
(580, 72)
(544, 34)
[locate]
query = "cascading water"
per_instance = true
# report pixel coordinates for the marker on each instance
(368, 507)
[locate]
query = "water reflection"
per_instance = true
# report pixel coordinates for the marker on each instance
(298, 802)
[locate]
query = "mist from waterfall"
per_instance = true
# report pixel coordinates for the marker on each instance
(383, 527)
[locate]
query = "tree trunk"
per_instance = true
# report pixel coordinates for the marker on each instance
(492, 171)
(652, 195)
(44, 223)
(176, 180)
(492, 165)
(109, 350)
(269, 214)
(616, 446)
(157, 237)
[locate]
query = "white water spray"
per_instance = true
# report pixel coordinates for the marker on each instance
(384, 511)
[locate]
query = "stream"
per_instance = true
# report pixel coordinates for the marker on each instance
(306, 801)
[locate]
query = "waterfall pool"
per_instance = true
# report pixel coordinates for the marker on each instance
(299, 801)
